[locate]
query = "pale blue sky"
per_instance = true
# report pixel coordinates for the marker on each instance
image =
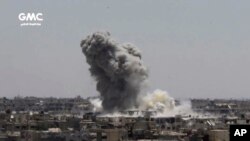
(193, 48)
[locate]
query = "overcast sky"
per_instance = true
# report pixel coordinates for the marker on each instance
(193, 48)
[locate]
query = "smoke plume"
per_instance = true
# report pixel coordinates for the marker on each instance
(97, 104)
(159, 101)
(117, 69)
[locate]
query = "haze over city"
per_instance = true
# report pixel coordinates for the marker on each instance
(193, 49)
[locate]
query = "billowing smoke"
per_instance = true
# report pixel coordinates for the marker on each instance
(161, 102)
(158, 101)
(97, 104)
(117, 69)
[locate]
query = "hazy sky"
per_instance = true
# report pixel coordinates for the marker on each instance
(193, 48)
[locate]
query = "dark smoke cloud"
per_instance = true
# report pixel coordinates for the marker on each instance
(117, 68)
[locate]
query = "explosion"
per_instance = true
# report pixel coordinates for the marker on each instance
(117, 69)
(120, 75)
(158, 101)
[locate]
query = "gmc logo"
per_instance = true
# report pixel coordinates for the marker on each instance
(30, 17)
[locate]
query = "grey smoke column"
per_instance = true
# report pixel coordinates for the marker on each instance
(117, 68)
